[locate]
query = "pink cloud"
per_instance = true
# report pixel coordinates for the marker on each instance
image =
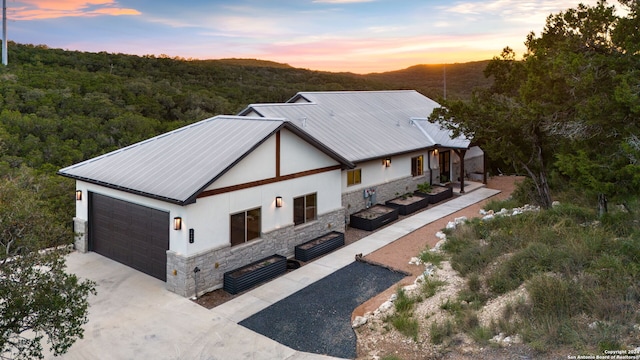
(374, 55)
(51, 9)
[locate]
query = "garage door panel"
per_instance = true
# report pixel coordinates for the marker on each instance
(134, 235)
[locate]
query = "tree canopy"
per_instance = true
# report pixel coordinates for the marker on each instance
(571, 106)
(39, 301)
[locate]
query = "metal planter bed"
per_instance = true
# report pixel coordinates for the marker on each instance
(250, 275)
(373, 217)
(409, 204)
(319, 246)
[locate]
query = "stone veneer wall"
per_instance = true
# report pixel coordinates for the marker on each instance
(81, 235)
(354, 201)
(214, 263)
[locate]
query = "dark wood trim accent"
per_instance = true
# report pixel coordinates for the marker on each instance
(429, 153)
(484, 167)
(278, 154)
(267, 181)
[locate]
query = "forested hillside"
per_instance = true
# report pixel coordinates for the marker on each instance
(460, 79)
(61, 107)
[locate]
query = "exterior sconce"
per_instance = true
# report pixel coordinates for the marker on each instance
(177, 223)
(78, 195)
(386, 162)
(278, 201)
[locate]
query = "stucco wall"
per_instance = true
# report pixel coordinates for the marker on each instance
(214, 263)
(388, 182)
(210, 216)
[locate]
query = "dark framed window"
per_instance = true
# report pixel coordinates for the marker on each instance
(305, 209)
(245, 226)
(417, 166)
(354, 177)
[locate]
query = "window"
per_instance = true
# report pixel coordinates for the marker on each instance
(417, 168)
(354, 177)
(245, 226)
(305, 209)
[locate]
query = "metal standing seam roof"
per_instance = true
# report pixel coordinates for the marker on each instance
(348, 126)
(441, 136)
(364, 125)
(178, 165)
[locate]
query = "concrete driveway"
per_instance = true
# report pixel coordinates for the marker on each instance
(134, 317)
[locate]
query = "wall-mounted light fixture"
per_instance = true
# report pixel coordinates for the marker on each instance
(278, 201)
(386, 162)
(177, 223)
(78, 195)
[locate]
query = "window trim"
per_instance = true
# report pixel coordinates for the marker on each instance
(352, 181)
(305, 209)
(415, 158)
(246, 226)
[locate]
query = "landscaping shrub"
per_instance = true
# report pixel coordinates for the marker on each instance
(439, 332)
(473, 258)
(430, 287)
(402, 319)
(431, 257)
(578, 270)
(497, 205)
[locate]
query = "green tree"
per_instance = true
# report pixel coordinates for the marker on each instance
(571, 104)
(39, 301)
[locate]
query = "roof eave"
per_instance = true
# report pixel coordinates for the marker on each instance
(125, 189)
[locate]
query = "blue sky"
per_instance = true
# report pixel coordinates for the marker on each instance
(359, 36)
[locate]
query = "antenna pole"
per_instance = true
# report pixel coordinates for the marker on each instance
(5, 56)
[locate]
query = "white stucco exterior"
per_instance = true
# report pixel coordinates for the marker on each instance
(374, 172)
(82, 206)
(245, 162)
(209, 216)
(258, 165)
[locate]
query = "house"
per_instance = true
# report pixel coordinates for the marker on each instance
(385, 134)
(196, 202)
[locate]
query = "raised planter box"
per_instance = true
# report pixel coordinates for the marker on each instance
(373, 217)
(319, 246)
(437, 194)
(250, 275)
(409, 203)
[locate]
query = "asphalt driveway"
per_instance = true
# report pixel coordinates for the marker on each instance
(317, 318)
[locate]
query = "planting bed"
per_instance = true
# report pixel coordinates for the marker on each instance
(373, 217)
(250, 275)
(319, 246)
(409, 203)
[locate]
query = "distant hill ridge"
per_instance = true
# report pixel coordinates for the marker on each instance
(461, 78)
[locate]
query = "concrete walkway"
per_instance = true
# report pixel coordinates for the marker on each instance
(255, 300)
(134, 317)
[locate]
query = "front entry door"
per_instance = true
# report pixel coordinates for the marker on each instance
(445, 166)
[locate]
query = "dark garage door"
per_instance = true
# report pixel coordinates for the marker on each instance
(134, 235)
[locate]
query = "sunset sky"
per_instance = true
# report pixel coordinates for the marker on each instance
(359, 36)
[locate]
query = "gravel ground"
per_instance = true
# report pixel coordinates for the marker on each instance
(317, 319)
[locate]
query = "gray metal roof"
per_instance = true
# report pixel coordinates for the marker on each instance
(363, 125)
(440, 135)
(178, 165)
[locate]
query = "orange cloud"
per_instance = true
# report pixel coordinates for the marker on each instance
(375, 54)
(51, 9)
